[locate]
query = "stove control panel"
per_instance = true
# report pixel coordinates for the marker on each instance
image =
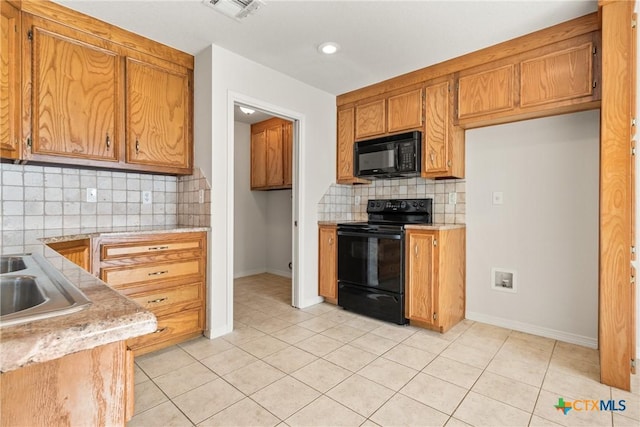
(399, 205)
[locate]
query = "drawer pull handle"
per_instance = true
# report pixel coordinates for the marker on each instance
(158, 248)
(159, 331)
(153, 301)
(157, 273)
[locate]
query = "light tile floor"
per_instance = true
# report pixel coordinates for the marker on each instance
(323, 366)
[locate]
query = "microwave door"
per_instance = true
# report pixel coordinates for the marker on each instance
(378, 161)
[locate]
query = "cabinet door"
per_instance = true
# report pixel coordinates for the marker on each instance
(436, 136)
(559, 76)
(486, 92)
(371, 119)
(9, 81)
(158, 131)
(75, 97)
(405, 111)
(258, 160)
(275, 160)
(287, 147)
(327, 265)
(420, 285)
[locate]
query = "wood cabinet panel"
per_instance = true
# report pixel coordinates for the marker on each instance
(371, 119)
(119, 250)
(10, 63)
(75, 97)
(171, 328)
(167, 297)
(287, 148)
(561, 75)
(83, 388)
(158, 114)
(328, 263)
(271, 154)
(435, 277)
(275, 156)
(117, 276)
(420, 277)
(345, 140)
(486, 92)
(436, 135)
(405, 111)
(129, 385)
(76, 251)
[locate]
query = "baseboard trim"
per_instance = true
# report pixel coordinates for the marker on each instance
(281, 273)
(251, 272)
(533, 329)
(218, 332)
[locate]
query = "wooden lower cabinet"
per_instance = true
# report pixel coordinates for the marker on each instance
(165, 273)
(76, 251)
(328, 263)
(91, 387)
(435, 277)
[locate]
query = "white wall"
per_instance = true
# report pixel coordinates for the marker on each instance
(262, 219)
(546, 230)
(250, 225)
(278, 228)
(230, 77)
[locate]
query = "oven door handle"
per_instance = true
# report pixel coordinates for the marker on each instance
(371, 233)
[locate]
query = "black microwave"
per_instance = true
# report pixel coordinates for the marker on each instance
(395, 156)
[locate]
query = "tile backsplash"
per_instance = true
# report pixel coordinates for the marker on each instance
(190, 210)
(43, 197)
(339, 202)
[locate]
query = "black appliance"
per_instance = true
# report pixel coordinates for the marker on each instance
(371, 259)
(395, 156)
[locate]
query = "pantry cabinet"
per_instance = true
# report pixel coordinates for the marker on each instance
(328, 263)
(95, 95)
(443, 153)
(557, 78)
(435, 277)
(10, 30)
(158, 112)
(166, 274)
(271, 146)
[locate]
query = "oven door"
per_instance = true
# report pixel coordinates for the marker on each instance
(372, 259)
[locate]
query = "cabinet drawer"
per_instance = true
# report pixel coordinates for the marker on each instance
(116, 276)
(170, 327)
(120, 250)
(164, 298)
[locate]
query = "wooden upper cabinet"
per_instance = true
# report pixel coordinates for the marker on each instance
(443, 143)
(271, 154)
(565, 74)
(404, 111)
(486, 92)
(75, 84)
(557, 78)
(258, 160)
(287, 147)
(10, 29)
(371, 119)
(158, 115)
(345, 139)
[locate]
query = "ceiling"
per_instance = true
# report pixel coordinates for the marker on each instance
(378, 39)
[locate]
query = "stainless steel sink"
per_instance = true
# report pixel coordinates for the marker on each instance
(9, 264)
(19, 293)
(38, 291)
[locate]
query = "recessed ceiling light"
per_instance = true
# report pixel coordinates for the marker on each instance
(329, 48)
(247, 111)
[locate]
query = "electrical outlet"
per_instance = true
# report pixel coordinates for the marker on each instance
(92, 195)
(146, 198)
(201, 196)
(453, 198)
(356, 200)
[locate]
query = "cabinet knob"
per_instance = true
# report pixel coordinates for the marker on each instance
(158, 273)
(415, 250)
(137, 146)
(108, 142)
(155, 301)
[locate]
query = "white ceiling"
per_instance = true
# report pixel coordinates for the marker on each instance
(379, 39)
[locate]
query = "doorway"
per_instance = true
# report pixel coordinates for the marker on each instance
(264, 232)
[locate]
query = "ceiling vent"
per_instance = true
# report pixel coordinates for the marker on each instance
(236, 9)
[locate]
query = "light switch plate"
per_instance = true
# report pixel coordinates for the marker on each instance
(453, 198)
(147, 198)
(92, 195)
(498, 198)
(201, 196)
